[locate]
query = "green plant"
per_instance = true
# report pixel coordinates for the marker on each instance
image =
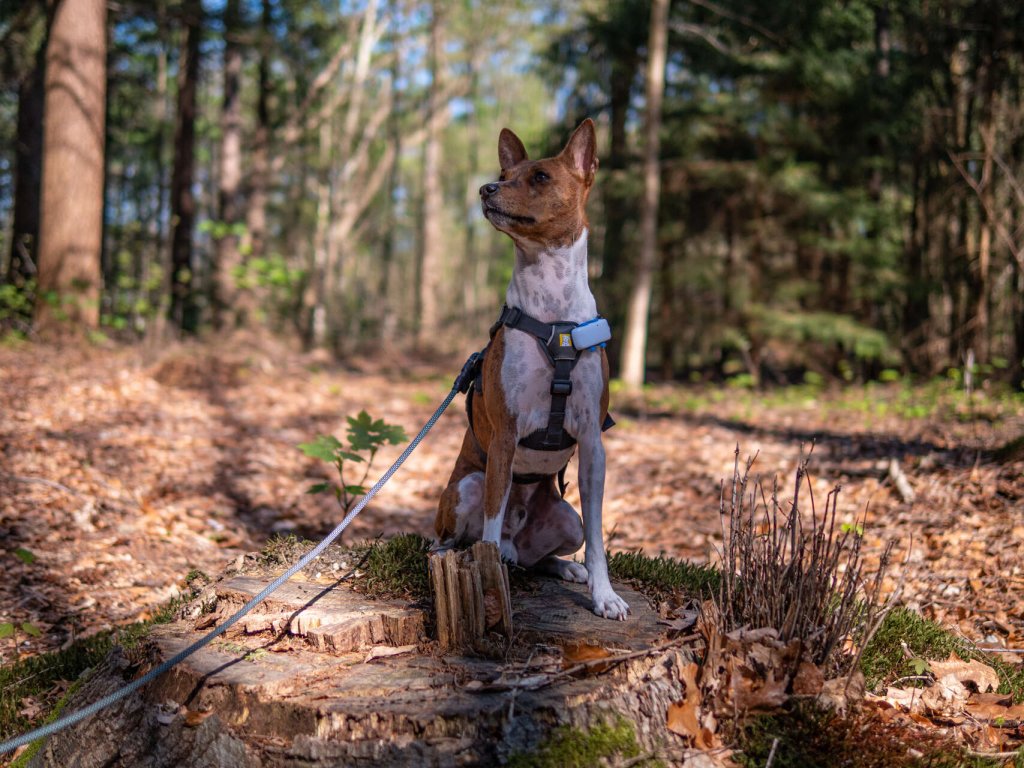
(365, 437)
(569, 747)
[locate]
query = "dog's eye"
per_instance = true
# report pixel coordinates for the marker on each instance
(540, 176)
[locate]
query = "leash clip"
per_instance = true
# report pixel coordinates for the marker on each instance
(465, 378)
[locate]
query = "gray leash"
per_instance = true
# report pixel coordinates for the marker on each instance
(461, 384)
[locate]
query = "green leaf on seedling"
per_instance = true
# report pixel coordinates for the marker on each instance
(920, 666)
(24, 555)
(319, 488)
(6, 630)
(848, 527)
(355, 490)
(323, 447)
(365, 433)
(348, 455)
(31, 629)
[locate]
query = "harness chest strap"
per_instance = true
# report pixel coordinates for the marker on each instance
(563, 343)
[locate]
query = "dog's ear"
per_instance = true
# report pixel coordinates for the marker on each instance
(581, 151)
(510, 149)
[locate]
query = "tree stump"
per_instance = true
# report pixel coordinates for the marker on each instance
(320, 675)
(471, 596)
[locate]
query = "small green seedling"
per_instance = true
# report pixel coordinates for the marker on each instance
(10, 629)
(365, 436)
(24, 555)
(919, 666)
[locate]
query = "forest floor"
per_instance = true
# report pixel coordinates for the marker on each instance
(122, 469)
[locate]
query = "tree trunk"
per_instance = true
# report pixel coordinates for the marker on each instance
(634, 346)
(256, 211)
(184, 310)
(71, 222)
(432, 265)
(228, 207)
(28, 173)
(319, 675)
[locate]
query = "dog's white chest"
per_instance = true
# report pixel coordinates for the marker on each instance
(553, 288)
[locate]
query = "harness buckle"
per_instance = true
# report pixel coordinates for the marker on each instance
(561, 387)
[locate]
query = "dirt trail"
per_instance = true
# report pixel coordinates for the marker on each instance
(120, 471)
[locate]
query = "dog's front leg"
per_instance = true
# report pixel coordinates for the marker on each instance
(591, 480)
(497, 485)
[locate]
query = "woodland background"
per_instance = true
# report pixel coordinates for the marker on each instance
(789, 192)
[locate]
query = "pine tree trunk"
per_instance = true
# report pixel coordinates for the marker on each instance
(229, 209)
(256, 210)
(28, 148)
(184, 310)
(634, 347)
(431, 246)
(71, 221)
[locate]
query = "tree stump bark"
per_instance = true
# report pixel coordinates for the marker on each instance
(320, 675)
(471, 596)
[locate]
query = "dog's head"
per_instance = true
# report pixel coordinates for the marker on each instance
(542, 203)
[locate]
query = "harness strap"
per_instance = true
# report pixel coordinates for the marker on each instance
(555, 339)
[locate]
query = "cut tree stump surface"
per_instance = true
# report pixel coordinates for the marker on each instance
(324, 676)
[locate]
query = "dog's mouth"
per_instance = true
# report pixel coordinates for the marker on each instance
(491, 210)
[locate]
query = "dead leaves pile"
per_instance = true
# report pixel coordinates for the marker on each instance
(746, 672)
(959, 699)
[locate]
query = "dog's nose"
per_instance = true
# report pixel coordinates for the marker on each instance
(488, 189)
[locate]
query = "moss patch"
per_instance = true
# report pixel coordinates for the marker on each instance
(884, 659)
(568, 747)
(397, 567)
(808, 735)
(37, 676)
(660, 576)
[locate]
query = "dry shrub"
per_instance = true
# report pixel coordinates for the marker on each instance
(805, 584)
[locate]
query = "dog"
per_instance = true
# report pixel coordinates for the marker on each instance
(541, 389)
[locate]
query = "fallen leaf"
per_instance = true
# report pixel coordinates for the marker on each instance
(585, 653)
(683, 718)
(194, 717)
(979, 675)
(809, 679)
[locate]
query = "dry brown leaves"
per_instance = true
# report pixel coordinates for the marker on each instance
(959, 700)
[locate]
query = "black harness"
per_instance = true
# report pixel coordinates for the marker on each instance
(555, 339)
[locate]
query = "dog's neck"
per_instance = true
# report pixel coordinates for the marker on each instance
(552, 285)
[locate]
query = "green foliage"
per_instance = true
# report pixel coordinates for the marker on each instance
(365, 437)
(24, 555)
(660, 576)
(16, 302)
(569, 747)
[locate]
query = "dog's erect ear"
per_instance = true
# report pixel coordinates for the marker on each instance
(581, 151)
(510, 149)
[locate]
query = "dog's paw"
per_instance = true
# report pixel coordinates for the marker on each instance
(566, 570)
(610, 606)
(509, 553)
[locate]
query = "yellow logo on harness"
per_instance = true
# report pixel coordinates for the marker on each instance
(565, 339)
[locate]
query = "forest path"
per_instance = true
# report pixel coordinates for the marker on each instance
(124, 469)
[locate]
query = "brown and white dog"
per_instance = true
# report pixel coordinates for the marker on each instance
(540, 204)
